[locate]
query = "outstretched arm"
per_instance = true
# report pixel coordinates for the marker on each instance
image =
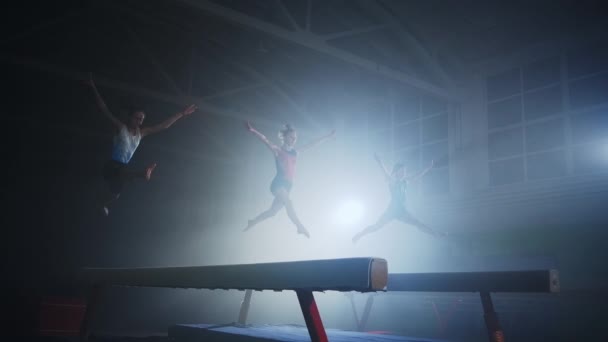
(382, 166)
(421, 173)
(101, 103)
(318, 141)
(169, 122)
(273, 148)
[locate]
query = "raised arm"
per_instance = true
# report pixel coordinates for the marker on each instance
(421, 173)
(382, 166)
(169, 122)
(318, 141)
(273, 148)
(101, 103)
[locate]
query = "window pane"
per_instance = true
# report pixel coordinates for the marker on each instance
(545, 135)
(590, 126)
(589, 158)
(432, 105)
(503, 84)
(435, 128)
(587, 61)
(547, 165)
(543, 102)
(380, 141)
(504, 113)
(505, 143)
(589, 91)
(406, 109)
(507, 171)
(437, 181)
(541, 73)
(407, 135)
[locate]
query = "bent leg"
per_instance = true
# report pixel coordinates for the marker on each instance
(283, 195)
(277, 204)
(128, 175)
(407, 218)
(382, 221)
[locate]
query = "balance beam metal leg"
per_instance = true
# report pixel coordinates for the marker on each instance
(366, 310)
(311, 316)
(495, 333)
(440, 323)
(91, 306)
(245, 307)
(354, 308)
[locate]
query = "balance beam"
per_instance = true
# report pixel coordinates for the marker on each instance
(534, 281)
(504, 281)
(303, 277)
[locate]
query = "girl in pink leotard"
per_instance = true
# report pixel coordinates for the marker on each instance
(285, 159)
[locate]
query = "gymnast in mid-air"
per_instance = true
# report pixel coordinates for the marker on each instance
(127, 136)
(397, 182)
(285, 157)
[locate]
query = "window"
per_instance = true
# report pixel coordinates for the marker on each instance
(435, 128)
(419, 134)
(545, 135)
(504, 113)
(589, 91)
(407, 135)
(503, 85)
(590, 126)
(548, 119)
(547, 165)
(541, 73)
(406, 109)
(507, 171)
(505, 143)
(543, 102)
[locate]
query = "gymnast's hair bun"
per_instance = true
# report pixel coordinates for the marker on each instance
(287, 128)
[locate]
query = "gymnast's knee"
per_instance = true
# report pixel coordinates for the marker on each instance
(273, 211)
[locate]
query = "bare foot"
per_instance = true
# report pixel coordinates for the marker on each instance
(249, 225)
(149, 170)
(304, 232)
(440, 234)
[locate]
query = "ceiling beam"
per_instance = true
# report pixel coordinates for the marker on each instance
(186, 31)
(137, 41)
(228, 56)
(407, 39)
(40, 26)
(308, 14)
(87, 132)
(285, 11)
(275, 86)
(353, 32)
(74, 75)
(231, 91)
(216, 140)
(316, 43)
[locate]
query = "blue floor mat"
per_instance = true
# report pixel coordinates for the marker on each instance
(286, 333)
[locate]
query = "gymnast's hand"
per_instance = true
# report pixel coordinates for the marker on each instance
(88, 81)
(377, 158)
(189, 110)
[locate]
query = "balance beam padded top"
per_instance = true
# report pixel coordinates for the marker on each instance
(352, 274)
(506, 281)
